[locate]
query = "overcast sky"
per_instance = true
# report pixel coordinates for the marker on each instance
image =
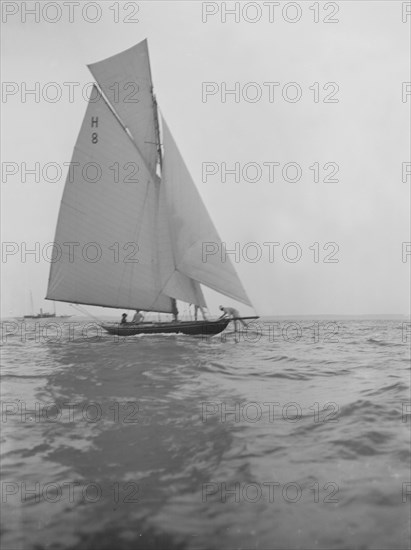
(362, 132)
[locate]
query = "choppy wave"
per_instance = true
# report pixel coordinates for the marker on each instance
(185, 443)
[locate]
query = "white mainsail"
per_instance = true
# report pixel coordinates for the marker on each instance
(191, 227)
(138, 238)
(119, 217)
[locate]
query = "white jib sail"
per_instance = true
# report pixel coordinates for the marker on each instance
(191, 227)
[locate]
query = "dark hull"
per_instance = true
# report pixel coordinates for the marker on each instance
(193, 328)
(40, 316)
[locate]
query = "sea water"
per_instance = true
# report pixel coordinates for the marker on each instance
(294, 434)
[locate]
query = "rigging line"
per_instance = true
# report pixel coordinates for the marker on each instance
(83, 310)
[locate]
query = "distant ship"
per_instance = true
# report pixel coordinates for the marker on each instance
(154, 212)
(43, 315)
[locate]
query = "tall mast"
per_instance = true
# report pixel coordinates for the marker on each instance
(160, 162)
(157, 127)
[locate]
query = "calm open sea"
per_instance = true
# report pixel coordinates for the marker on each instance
(295, 436)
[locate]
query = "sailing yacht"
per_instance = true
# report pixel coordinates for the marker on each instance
(141, 235)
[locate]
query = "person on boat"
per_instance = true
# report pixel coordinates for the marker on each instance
(123, 319)
(232, 313)
(138, 317)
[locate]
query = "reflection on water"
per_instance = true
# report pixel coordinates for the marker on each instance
(176, 442)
